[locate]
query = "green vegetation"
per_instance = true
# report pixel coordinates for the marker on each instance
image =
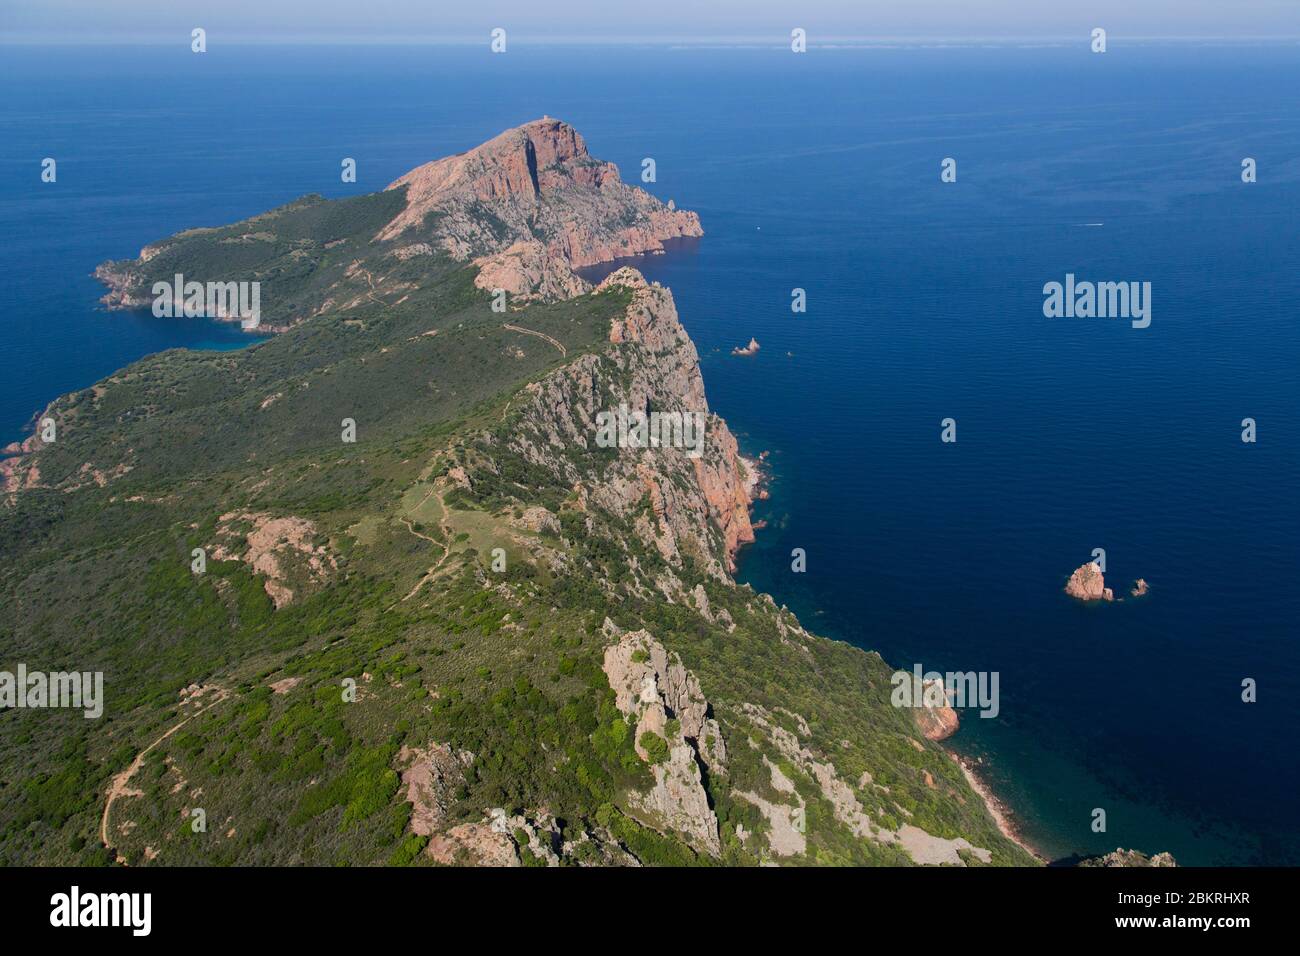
(396, 634)
(654, 745)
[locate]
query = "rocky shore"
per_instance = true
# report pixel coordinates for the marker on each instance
(997, 809)
(755, 476)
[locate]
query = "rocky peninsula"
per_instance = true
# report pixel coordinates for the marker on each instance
(466, 555)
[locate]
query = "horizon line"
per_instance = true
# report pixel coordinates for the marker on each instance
(524, 38)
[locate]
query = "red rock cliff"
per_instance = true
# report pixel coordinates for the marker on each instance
(541, 183)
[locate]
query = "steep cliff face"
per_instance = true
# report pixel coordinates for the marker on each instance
(698, 498)
(539, 182)
(692, 511)
(651, 322)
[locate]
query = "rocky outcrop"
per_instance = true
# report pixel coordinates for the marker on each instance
(1132, 858)
(1088, 584)
(936, 717)
(528, 272)
(283, 550)
(785, 821)
(750, 349)
(528, 207)
(665, 699)
(125, 290)
(473, 844)
(430, 778)
(537, 181)
(20, 471)
(537, 519)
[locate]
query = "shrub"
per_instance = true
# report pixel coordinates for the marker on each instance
(655, 746)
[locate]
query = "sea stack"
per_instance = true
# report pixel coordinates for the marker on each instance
(749, 349)
(1088, 584)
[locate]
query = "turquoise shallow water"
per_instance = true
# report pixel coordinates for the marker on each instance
(822, 173)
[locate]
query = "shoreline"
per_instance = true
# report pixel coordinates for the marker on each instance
(998, 810)
(752, 476)
(756, 477)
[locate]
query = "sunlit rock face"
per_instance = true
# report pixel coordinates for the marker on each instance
(536, 182)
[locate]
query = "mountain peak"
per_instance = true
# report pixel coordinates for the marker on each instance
(539, 183)
(508, 164)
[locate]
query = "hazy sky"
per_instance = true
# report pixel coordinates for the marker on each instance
(698, 20)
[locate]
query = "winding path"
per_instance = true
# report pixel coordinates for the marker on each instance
(118, 788)
(540, 335)
(446, 546)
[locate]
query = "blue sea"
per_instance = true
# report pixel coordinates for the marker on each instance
(924, 302)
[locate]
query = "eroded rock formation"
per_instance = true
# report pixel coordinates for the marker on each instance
(1088, 584)
(936, 717)
(528, 271)
(654, 687)
(539, 181)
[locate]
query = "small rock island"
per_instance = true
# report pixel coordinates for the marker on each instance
(1087, 583)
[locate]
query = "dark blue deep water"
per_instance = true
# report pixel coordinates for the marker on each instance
(924, 302)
